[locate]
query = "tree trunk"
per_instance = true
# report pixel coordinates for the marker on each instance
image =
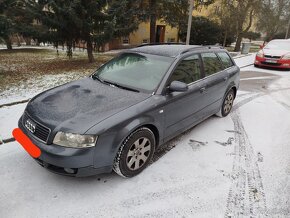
(152, 28)
(69, 49)
(27, 40)
(238, 43)
(288, 31)
(90, 50)
(225, 39)
(37, 42)
(8, 43)
(18, 40)
(153, 19)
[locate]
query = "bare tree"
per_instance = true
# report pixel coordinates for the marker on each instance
(237, 16)
(223, 15)
(273, 17)
(244, 12)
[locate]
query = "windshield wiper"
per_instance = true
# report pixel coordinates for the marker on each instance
(120, 86)
(98, 78)
(114, 84)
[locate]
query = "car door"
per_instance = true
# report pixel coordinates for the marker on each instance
(183, 109)
(216, 78)
(229, 65)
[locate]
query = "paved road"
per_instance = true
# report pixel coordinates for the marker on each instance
(238, 166)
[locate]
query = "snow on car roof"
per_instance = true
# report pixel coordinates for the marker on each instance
(165, 50)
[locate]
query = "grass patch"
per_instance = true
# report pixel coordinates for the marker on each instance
(20, 65)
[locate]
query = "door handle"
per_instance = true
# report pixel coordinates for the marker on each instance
(202, 90)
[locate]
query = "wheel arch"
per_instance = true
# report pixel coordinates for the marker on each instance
(235, 90)
(135, 125)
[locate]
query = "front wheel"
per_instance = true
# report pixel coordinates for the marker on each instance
(135, 153)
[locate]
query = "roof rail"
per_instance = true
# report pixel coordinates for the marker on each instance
(214, 46)
(201, 47)
(162, 43)
(190, 49)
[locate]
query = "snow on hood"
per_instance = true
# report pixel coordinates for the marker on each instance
(78, 105)
(275, 52)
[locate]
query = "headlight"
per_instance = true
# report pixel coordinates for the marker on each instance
(286, 57)
(260, 54)
(74, 140)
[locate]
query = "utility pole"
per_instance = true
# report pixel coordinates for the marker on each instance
(190, 10)
(288, 29)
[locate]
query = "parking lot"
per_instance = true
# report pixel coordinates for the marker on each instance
(224, 167)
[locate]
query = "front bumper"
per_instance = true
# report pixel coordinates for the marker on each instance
(276, 63)
(66, 161)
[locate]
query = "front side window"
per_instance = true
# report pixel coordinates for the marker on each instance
(211, 63)
(135, 71)
(187, 71)
(226, 60)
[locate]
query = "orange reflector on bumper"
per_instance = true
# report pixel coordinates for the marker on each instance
(26, 143)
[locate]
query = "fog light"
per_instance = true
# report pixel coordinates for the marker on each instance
(69, 170)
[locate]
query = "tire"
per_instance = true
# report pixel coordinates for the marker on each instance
(227, 104)
(255, 65)
(135, 153)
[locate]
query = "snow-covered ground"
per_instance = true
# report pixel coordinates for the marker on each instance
(238, 166)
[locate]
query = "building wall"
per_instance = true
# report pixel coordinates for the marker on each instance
(143, 33)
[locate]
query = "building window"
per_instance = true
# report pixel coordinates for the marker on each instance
(126, 40)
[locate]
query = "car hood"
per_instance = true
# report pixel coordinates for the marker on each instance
(77, 106)
(275, 52)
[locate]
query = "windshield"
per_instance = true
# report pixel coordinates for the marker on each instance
(280, 45)
(134, 71)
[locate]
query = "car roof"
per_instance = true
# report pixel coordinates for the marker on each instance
(169, 50)
(279, 40)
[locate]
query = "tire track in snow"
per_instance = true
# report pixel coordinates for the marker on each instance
(283, 104)
(246, 100)
(246, 196)
(260, 94)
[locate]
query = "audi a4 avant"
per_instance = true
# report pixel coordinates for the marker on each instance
(116, 118)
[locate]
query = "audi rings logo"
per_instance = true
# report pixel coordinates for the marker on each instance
(30, 125)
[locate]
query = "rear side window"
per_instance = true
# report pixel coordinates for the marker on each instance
(211, 63)
(187, 71)
(226, 60)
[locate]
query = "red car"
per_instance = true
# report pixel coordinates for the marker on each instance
(275, 54)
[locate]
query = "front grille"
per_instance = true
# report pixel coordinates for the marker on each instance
(271, 64)
(40, 131)
(274, 57)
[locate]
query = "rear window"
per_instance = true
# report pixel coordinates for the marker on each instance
(226, 60)
(211, 63)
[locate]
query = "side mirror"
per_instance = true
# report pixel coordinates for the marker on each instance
(177, 86)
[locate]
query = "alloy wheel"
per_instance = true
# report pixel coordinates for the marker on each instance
(138, 153)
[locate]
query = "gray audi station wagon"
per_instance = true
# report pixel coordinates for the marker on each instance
(116, 118)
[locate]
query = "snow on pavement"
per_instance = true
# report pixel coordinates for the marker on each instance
(244, 61)
(190, 179)
(236, 166)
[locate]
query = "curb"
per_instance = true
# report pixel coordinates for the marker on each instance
(242, 56)
(14, 103)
